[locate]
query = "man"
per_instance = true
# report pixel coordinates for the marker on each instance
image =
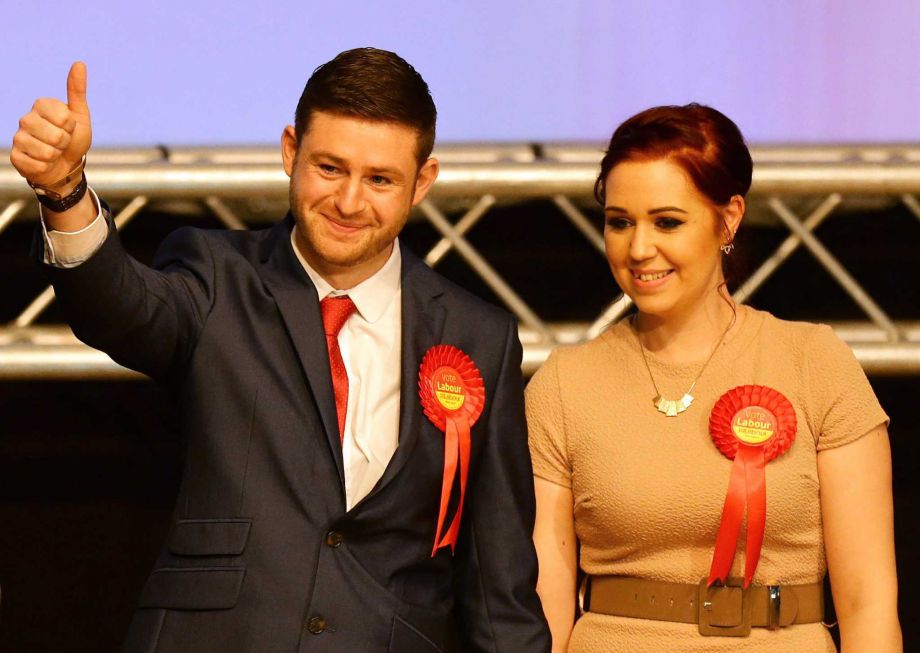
(311, 516)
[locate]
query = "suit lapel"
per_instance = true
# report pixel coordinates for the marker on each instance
(298, 304)
(422, 328)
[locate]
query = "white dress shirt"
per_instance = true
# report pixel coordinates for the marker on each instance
(370, 344)
(68, 249)
(369, 340)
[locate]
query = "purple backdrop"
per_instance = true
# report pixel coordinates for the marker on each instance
(196, 72)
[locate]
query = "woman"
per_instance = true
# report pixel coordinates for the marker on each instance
(638, 436)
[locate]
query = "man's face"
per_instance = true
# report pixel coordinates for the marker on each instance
(353, 182)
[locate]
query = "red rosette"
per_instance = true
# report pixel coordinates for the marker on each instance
(744, 396)
(446, 358)
(452, 395)
(751, 425)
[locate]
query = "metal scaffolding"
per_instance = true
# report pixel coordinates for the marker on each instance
(244, 187)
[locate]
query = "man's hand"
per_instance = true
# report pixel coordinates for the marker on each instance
(54, 136)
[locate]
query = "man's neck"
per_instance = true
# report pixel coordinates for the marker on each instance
(342, 277)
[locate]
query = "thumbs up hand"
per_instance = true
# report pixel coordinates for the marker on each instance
(53, 137)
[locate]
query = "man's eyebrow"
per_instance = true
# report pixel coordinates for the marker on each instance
(375, 170)
(322, 154)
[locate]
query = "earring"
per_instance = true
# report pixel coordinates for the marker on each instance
(729, 246)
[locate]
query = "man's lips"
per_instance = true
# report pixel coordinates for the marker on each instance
(343, 226)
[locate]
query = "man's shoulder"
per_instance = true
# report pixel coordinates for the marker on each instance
(465, 300)
(220, 243)
(234, 239)
(453, 296)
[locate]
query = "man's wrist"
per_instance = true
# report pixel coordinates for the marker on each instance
(61, 187)
(60, 199)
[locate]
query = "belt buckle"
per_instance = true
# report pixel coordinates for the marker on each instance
(724, 610)
(774, 603)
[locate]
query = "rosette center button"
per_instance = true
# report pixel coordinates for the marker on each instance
(334, 539)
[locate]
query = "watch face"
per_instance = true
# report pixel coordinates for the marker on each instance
(50, 194)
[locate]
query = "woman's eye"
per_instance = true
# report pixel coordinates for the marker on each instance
(617, 223)
(668, 224)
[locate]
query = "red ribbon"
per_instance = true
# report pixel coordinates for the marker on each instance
(452, 395)
(752, 425)
(456, 441)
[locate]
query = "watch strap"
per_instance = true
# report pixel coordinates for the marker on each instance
(68, 201)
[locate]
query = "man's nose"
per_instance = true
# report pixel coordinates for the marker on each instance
(349, 198)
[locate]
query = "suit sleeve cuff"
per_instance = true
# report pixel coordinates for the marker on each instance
(68, 249)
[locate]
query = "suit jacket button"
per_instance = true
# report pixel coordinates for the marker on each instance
(316, 625)
(334, 539)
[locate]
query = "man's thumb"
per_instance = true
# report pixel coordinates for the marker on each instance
(76, 88)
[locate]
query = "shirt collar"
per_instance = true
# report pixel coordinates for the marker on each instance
(373, 295)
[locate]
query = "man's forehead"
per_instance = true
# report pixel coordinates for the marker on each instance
(376, 143)
(337, 119)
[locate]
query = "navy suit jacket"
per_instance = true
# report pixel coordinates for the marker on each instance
(262, 554)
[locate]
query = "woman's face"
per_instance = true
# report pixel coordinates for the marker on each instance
(663, 236)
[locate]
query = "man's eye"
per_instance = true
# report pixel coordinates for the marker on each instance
(327, 169)
(379, 180)
(618, 223)
(668, 224)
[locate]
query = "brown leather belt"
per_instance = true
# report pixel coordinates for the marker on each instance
(722, 610)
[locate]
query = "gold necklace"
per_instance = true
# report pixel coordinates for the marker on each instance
(674, 407)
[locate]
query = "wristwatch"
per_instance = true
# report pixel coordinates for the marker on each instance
(52, 199)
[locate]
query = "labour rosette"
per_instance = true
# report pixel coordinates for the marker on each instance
(452, 395)
(751, 425)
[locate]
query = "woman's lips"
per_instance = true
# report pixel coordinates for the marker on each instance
(649, 279)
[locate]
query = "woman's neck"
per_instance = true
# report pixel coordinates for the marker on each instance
(689, 336)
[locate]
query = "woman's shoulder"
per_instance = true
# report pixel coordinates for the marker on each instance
(573, 362)
(801, 339)
(790, 333)
(614, 342)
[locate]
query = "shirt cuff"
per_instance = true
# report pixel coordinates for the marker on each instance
(68, 249)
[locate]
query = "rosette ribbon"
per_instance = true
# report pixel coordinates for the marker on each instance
(751, 425)
(452, 395)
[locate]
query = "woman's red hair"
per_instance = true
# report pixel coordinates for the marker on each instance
(702, 141)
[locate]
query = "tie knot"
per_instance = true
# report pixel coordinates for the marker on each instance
(335, 311)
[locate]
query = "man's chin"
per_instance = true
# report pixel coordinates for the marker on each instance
(333, 251)
(344, 256)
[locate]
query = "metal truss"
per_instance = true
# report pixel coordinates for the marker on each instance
(242, 187)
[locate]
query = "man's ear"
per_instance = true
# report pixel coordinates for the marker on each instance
(426, 176)
(289, 149)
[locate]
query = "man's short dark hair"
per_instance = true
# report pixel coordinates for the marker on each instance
(374, 85)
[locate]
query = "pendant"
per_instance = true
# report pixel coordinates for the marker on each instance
(672, 407)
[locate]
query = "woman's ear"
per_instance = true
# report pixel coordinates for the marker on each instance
(731, 218)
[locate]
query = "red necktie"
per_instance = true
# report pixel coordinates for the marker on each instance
(335, 311)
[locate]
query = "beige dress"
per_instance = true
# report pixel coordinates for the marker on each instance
(648, 489)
